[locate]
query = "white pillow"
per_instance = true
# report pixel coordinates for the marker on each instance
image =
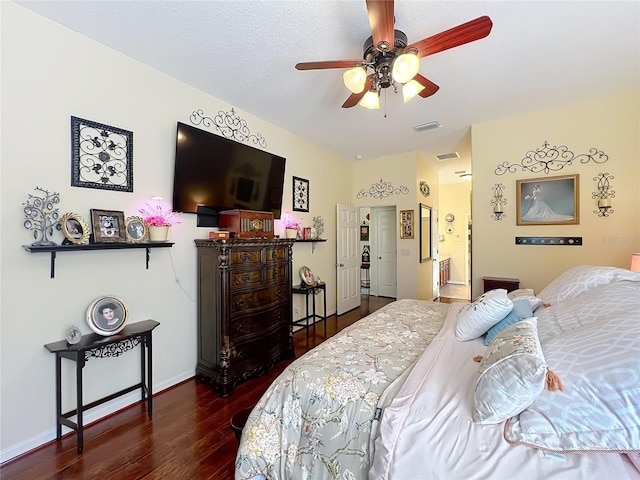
(476, 318)
(526, 293)
(512, 374)
(581, 279)
(597, 355)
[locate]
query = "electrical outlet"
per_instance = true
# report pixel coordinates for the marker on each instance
(296, 310)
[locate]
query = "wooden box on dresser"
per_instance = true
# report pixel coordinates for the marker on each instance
(244, 309)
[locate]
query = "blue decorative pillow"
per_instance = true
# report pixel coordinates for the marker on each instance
(521, 310)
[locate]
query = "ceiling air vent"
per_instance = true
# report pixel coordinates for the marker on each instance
(447, 156)
(427, 126)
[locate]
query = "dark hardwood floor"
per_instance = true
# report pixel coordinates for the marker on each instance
(189, 436)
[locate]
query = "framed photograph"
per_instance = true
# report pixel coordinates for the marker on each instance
(300, 194)
(309, 233)
(108, 226)
(102, 156)
(137, 230)
(548, 201)
(406, 223)
(107, 315)
(74, 228)
(364, 233)
(307, 276)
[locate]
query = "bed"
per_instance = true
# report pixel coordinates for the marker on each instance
(413, 392)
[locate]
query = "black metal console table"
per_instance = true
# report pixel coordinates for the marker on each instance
(97, 346)
(310, 318)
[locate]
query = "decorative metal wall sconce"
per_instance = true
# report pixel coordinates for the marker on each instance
(449, 218)
(604, 194)
(498, 201)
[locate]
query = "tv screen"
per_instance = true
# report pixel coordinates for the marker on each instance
(214, 173)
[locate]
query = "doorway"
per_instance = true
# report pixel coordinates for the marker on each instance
(378, 244)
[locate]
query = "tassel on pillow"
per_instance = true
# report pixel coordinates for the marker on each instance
(553, 382)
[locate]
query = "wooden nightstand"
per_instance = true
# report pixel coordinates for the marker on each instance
(491, 283)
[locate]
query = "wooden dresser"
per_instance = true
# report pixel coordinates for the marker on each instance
(244, 309)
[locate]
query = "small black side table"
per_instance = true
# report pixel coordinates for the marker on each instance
(97, 346)
(309, 320)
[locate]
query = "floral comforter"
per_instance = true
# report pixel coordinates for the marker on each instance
(318, 417)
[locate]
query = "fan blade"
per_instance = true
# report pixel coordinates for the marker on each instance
(354, 98)
(429, 87)
(381, 23)
(454, 37)
(327, 64)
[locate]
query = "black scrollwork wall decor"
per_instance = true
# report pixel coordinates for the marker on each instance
(551, 241)
(300, 194)
(424, 188)
(383, 189)
(604, 194)
(550, 159)
(230, 125)
(102, 156)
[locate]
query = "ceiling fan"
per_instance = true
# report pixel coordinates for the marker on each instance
(390, 60)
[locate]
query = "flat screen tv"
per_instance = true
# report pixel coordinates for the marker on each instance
(214, 173)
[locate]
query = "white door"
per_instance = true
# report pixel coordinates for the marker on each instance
(347, 260)
(386, 268)
(435, 252)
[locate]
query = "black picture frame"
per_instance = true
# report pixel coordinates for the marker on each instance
(364, 233)
(101, 156)
(108, 226)
(548, 201)
(300, 194)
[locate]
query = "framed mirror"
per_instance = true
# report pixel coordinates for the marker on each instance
(425, 233)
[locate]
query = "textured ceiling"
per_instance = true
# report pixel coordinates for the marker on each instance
(539, 54)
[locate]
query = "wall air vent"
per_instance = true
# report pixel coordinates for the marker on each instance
(447, 156)
(427, 126)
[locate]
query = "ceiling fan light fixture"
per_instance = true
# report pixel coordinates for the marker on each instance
(371, 100)
(411, 89)
(405, 67)
(354, 79)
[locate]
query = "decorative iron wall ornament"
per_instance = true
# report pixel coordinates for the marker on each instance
(300, 194)
(41, 215)
(424, 188)
(383, 189)
(604, 194)
(102, 156)
(498, 201)
(550, 159)
(230, 125)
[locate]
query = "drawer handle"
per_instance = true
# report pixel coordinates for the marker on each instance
(245, 278)
(239, 304)
(278, 292)
(274, 254)
(279, 315)
(241, 354)
(241, 328)
(274, 273)
(245, 257)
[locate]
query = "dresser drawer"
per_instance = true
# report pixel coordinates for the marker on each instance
(249, 256)
(254, 353)
(240, 279)
(242, 302)
(252, 325)
(276, 254)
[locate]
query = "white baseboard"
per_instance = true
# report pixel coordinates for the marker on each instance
(90, 416)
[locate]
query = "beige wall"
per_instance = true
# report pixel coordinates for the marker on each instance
(50, 73)
(455, 198)
(609, 124)
(405, 169)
